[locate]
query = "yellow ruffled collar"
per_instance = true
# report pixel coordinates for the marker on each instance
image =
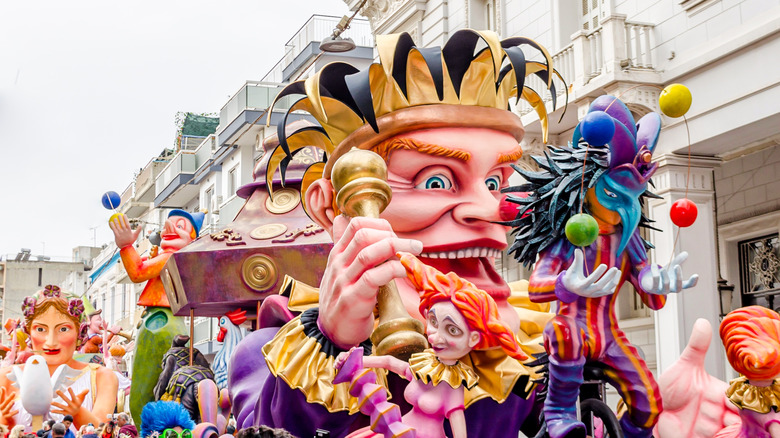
(427, 367)
(759, 399)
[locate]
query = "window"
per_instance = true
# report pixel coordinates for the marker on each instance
(232, 182)
(759, 270)
(591, 13)
(484, 14)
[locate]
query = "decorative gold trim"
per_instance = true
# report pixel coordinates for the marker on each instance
(283, 201)
(268, 231)
(259, 272)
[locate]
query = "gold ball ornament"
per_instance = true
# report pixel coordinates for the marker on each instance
(114, 216)
(675, 100)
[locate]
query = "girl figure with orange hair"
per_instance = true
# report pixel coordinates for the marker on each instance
(459, 318)
(751, 336)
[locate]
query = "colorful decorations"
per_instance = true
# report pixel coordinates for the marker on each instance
(582, 229)
(153, 339)
(683, 212)
(597, 128)
(110, 200)
(675, 100)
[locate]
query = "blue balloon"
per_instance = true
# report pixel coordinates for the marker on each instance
(597, 128)
(111, 200)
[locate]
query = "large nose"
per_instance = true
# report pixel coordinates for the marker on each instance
(169, 227)
(478, 204)
(51, 339)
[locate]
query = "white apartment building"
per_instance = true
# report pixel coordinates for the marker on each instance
(204, 173)
(725, 52)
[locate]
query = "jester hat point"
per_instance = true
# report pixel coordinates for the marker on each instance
(630, 167)
(469, 83)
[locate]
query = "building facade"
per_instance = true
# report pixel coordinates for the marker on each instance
(633, 48)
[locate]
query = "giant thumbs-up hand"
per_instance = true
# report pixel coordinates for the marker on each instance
(695, 403)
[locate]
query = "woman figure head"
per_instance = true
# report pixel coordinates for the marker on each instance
(53, 324)
(460, 317)
(751, 336)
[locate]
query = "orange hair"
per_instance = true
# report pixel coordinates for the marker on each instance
(477, 307)
(751, 336)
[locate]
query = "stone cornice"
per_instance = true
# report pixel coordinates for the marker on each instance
(384, 13)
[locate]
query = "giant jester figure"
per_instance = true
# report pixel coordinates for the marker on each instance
(439, 119)
(609, 180)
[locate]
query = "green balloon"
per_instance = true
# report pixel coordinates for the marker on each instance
(154, 337)
(582, 229)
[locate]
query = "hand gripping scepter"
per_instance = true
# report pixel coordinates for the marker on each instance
(360, 180)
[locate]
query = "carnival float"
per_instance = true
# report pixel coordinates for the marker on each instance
(356, 291)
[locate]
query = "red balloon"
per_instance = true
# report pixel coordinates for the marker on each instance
(683, 212)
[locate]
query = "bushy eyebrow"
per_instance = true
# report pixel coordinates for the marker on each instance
(510, 157)
(384, 148)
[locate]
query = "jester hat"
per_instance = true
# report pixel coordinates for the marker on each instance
(469, 83)
(630, 168)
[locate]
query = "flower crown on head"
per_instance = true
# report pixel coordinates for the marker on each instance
(75, 306)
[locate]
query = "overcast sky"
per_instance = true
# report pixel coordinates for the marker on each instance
(89, 91)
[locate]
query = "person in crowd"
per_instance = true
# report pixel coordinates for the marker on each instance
(89, 432)
(58, 430)
(161, 415)
(264, 432)
(17, 432)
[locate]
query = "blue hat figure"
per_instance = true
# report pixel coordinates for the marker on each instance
(196, 219)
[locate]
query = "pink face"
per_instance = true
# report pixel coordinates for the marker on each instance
(450, 204)
(96, 323)
(176, 234)
(448, 333)
(55, 335)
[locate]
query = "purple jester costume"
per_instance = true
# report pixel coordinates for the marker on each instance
(609, 180)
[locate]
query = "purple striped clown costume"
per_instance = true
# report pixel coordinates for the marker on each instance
(585, 281)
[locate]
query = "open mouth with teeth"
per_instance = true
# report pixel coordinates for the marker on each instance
(475, 264)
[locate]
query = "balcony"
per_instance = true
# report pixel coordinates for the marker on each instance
(129, 206)
(171, 188)
(243, 116)
(145, 180)
(617, 52)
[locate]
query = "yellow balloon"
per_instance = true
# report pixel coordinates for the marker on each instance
(675, 100)
(114, 216)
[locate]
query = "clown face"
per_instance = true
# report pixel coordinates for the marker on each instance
(446, 194)
(176, 234)
(55, 335)
(448, 333)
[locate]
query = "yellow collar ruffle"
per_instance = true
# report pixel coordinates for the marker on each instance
(428, 368)
(759, 399)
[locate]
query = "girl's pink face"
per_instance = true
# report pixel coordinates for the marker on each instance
(448, 333)
(55, 336)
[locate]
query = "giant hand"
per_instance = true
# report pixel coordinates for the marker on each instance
(663, 280)
(123, 234)
(363, 258)
(594, 285)
(695, 403)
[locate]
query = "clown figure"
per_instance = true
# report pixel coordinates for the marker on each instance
(609, 180)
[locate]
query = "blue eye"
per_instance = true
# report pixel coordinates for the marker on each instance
(493, 183)
(610, 194)
(435, 182)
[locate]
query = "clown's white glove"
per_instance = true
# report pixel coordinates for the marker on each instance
(663, 280)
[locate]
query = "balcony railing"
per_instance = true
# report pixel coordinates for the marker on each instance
(145, 179)
(206, 148)
(613, 46)
(127, 195)
(252, 96)
(183, 162)
(319, 27)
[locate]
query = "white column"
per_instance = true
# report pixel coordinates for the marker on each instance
(675, 321)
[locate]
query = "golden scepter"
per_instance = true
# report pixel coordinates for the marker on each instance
(360, 180)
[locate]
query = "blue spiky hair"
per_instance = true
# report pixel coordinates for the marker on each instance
(161, 415)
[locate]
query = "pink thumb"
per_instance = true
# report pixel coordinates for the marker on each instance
(340, 223)
(698, 344)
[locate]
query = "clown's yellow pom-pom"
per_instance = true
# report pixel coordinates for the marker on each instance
(675, 100)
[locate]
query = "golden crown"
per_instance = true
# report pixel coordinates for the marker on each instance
(362, 108)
